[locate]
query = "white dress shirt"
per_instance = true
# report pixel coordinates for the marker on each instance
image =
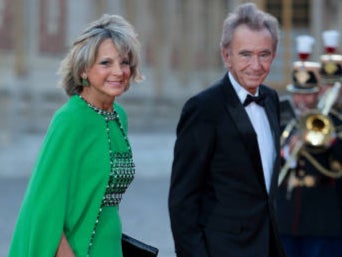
(259, 120)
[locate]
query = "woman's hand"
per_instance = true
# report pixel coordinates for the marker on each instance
(64, 249)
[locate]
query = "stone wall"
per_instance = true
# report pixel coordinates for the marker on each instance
(181, 56)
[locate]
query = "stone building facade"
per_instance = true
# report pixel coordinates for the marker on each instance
(180, 42)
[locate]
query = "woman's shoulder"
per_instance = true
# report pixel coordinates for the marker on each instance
(70, 114)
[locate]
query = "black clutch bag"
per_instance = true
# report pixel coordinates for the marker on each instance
(132, 247)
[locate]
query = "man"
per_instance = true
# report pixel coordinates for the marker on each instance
(226, 161)
(310, 196)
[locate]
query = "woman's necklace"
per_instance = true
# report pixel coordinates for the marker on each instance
(108, 117)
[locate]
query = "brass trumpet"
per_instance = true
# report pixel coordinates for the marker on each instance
(318, 129)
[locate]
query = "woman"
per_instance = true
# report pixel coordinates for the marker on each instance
(85, 163)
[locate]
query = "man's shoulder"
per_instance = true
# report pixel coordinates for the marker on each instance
(206, 102)
(270, 93)
(268, 90)
(213, 91)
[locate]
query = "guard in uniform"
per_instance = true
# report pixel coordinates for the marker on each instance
(310, 197)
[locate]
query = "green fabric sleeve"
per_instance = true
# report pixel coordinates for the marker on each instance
(41, 218)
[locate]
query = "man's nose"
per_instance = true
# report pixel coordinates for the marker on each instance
(255, 62)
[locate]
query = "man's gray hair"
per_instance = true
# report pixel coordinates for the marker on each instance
(248, 14)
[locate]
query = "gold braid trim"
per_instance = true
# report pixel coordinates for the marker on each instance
(319, 167)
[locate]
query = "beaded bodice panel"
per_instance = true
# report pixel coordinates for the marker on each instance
(121, 175)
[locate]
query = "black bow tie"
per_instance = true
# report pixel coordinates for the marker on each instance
(257, 99)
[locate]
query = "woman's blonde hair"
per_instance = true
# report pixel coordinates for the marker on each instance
(83, 53)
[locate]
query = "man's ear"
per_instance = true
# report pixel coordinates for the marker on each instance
(225, 57)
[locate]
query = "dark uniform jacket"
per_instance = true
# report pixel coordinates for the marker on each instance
(311, 204)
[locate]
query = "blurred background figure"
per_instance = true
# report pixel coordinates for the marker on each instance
(310, 195)
(331, 68)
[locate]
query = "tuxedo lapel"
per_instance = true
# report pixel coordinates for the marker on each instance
(270, 109)
(271, 115)
(240, 117)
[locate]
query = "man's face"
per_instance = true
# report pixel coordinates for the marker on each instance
(305, 102)
(249, 56)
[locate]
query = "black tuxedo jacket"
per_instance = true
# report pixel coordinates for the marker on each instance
(218, 202)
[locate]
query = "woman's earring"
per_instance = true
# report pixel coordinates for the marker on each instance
(85, 81)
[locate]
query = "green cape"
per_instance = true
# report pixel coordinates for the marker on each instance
(68, 181)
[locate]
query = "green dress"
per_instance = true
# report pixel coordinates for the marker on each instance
(84, 166)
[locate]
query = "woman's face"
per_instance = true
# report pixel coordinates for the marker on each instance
(110, 74)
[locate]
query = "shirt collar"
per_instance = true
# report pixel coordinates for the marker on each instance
(240, 91)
